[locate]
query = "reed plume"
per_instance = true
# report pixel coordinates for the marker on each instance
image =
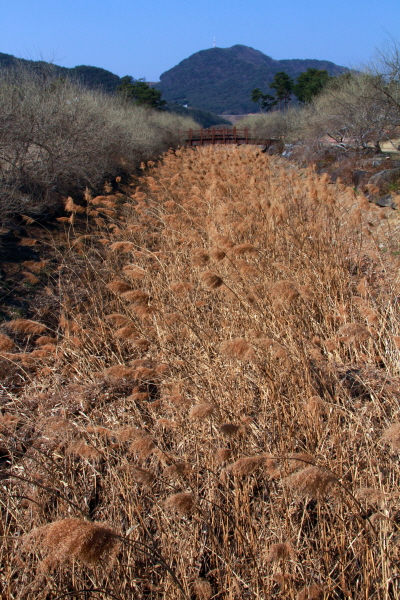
(142, 476)
(201, 411)
(392, 436)
(231, 430)
(118, 286)
(311, 592)
(73, 539)
(237, 348)
(282, 551)
(183, 503)
(212, 280)
(246, 466)
(26, 326)
(6, 343)
(311, 481)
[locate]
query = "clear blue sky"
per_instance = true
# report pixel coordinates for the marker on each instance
(144, 38)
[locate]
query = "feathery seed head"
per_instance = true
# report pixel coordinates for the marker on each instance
(284, 292)
(142, 476)
(202, 589)
(200, 258)
(118, 286)
(128, 332)
(282, 551)
(178, 468)
(311, 481)
(217, 254)
(241, 249)
(353, 332)
(142, 446)
(230, 430)
(73, 539)
(183, 503)
(6, 343)
(223, 454)
(237, 348)
(212, 280)
(26, 326)
(246, 466)
(392, 436)
(311, 592)
(201, 411)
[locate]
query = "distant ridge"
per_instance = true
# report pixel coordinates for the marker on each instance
(220, 80)
(93, 77)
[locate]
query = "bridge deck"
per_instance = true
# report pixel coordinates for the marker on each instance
(228, 135)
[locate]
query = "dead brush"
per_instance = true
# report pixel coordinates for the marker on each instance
(286, 427)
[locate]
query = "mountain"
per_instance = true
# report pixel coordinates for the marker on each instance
(93, 77)
(221, 80)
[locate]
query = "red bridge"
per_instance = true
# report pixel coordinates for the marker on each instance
(228, 135)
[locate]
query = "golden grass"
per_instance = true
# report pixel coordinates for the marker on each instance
(226, 398)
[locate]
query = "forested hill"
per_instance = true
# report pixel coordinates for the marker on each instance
(93, 77)
(221, 80)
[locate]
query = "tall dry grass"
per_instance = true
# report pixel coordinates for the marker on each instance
(216, 412)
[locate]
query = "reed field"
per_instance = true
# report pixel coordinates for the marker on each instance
(213, 410)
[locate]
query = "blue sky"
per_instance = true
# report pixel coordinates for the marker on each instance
(144, 38)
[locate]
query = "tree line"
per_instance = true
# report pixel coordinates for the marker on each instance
(308, 85)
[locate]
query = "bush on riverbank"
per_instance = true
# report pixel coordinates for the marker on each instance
(56, 136)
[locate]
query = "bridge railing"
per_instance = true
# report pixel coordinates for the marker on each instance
(225, 135)
(221, 135)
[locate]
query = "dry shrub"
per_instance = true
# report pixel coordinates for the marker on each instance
(57, 135)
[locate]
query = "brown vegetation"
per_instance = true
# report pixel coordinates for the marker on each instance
(215, 412)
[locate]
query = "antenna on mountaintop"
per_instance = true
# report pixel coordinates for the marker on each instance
(215, 43)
